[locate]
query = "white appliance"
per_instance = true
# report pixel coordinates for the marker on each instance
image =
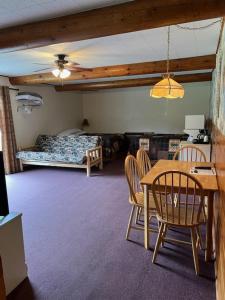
(27, 101)
(194, 123)
(31, 99)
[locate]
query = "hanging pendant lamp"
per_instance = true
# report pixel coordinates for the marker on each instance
(167, 87)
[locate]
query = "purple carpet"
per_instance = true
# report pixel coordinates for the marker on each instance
(74, 234)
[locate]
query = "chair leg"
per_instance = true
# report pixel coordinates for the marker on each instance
(137, 215)
(158, 242)
(195, 250)
(199, 238)
(140, 213)
(164, 234)
(175, 200)
(206, 204)
(130, 222)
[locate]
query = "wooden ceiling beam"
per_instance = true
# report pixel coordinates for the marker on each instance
(94, 86)
(176, 65)
(117, 19)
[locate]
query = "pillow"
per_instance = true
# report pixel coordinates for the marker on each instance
(78, 132)
(69, 131)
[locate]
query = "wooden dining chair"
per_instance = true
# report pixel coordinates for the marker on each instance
(188, 213)
(144, 165)
(190, 153)
(143, 161)
(136, 195)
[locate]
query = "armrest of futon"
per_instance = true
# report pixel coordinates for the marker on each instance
(94, 155)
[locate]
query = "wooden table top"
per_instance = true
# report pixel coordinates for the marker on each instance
(209, 182)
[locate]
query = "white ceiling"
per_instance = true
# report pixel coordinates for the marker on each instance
(14, 12)
(141, 46)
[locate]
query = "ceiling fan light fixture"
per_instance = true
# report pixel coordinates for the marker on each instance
(56, 72)
(63, 73)
(167, 88)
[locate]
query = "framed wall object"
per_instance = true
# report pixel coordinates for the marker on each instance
(174, 145)
(144, 143)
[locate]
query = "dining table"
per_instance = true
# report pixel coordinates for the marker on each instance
(209, 185)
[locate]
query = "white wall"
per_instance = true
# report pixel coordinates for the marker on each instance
(60, 111)
(116, 110)
(132, 109)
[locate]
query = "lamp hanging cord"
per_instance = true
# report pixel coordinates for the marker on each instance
(168, 50)
(200, 27)
(168, 57)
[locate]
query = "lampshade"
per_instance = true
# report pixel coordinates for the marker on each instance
(64, 73)
(167, 88)
(56, 72)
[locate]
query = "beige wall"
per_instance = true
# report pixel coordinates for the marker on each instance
(132, 109)
(107, 111)
(60, 111)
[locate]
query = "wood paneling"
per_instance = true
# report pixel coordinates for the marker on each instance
(2, 284)
(123, 18)
(176, 65)
(219, 209)
(93, 86)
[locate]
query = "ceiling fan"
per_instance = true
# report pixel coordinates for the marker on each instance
(62, 67)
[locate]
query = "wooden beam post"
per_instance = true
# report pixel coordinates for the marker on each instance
(93, 86)
(117, 19)
(176, 65)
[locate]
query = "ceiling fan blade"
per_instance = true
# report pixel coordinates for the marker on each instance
(79, 69)
(42, 64)
(71, 63)
(42, 70)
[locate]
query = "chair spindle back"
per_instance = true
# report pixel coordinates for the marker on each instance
(133, 176)
(144, 162)
(190, 153)
(189, 200)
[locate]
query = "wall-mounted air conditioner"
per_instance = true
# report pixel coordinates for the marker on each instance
(27, 101)
(32, 99)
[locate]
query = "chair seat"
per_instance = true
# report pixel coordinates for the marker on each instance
(175, 220)
(140, 200)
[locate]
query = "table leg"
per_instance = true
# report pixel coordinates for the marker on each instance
(146, 217)
(209, 225)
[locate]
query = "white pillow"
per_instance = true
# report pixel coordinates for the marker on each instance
(69, 131)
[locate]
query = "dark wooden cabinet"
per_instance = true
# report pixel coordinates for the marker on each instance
(158, 143)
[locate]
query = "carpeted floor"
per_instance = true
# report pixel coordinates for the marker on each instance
(74, 230)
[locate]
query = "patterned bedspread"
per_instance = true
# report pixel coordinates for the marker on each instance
(67, 149)
(77, 158)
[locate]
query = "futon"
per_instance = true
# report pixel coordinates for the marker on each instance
(64, 151)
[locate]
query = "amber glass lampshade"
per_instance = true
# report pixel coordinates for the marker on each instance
(167, 88)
